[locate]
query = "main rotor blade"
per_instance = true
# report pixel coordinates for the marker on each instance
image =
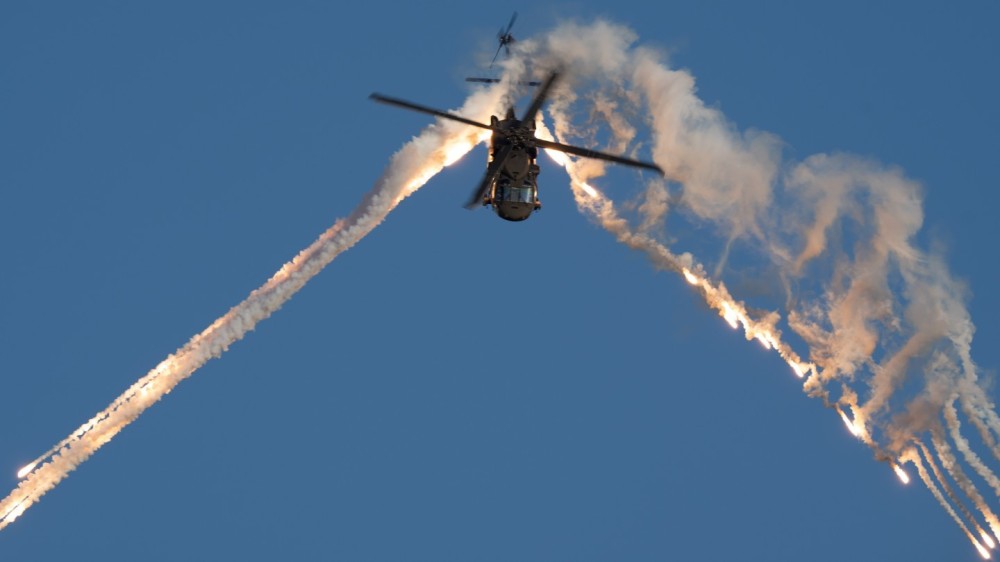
(496, 55)
(588, 153)
(491, 174)
(424, 109)
(511, 24)
(536, 104)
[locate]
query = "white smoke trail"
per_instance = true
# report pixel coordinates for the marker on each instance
(886, 325)
(954, 428)
(977, 408)
(979, 422)
(409, 169)
(601, 209)
(717, 296)
(993, 420)
(913, 456)
(949, 464)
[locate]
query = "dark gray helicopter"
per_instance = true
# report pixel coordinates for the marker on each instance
(511, 181)
(505, 39)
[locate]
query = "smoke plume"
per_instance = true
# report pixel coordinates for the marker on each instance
(409, 169)
(883, 322)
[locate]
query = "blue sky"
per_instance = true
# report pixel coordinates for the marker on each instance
(161, 163)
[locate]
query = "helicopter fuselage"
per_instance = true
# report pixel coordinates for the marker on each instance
(514, 193)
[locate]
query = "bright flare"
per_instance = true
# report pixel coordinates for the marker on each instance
(690, 277)
(27, 468)
(729, 314)
(982, 551)
(850, 425)
(453, 154)
(462, 147)
(557, 157)
(903, 476)
(799, 370)
(20, 509)
(988, 540)
(763, 341)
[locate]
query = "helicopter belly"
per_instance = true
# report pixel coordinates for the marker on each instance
(513, 211)
(517, 166)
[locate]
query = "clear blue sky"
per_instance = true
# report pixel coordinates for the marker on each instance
(160, 163)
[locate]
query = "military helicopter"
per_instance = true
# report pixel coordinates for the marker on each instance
(511, 181)
(505, 39)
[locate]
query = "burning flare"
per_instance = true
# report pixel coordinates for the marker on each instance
(18, 510)
(903, 476)
(26, 469)
(690, 277)
(850, 425)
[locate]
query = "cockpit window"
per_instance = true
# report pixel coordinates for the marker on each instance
(516, 194)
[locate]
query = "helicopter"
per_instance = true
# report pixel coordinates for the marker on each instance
(510, 185)
(506, 39)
